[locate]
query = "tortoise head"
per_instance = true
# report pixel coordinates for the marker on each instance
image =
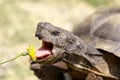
(55, 42)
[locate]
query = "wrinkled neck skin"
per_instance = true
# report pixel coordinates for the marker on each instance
(72, 46)
(77, 46)
(78, 52)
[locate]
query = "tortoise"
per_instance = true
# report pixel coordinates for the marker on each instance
(94, 55)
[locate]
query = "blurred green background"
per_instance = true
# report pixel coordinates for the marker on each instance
(18, 20)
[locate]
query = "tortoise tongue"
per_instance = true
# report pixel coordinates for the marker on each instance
(44, 51)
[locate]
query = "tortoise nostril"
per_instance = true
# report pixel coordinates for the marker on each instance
(39, 36)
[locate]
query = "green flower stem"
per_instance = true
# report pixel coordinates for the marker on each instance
(22, 54)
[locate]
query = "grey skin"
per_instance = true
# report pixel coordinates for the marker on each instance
(80, 57)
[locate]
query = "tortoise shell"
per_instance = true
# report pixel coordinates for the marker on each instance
(102, 30)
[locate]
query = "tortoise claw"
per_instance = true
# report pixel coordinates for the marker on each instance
(92, 76)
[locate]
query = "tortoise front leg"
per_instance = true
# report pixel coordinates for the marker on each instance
(92, 76)
(47, 71)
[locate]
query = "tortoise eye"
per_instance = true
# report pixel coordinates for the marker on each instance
(55, 33)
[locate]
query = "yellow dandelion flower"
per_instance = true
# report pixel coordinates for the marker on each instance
(31, 51)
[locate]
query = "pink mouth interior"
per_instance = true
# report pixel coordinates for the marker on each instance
(45, 51)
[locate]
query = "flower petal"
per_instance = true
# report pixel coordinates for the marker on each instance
(31, 51)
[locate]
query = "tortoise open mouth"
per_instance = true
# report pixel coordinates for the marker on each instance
(45, 52)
